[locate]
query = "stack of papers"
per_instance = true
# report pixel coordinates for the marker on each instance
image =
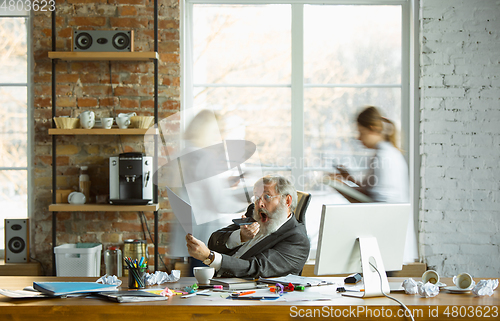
(295, 280)
(234, 283)
(131, 296)
(23, 294)
(58, 289)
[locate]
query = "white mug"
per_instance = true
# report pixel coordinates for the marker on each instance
(107, 122)
(76, 198)
(430, 276)
(463, 281)
(123, 122)
(87, 119)
(203, 274)
(127, 114)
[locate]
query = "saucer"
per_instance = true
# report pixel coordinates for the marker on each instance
(454, 289)
(441, 285)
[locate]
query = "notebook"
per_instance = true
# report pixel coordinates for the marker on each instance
(131, 296)
(65, 288)
(234, 283)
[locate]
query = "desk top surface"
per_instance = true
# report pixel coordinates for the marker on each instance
(18, 283)
(178, 308)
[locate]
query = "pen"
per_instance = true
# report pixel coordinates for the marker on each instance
(255, 297)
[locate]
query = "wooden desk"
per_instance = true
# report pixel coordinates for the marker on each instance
(31, 268)
(444, 306)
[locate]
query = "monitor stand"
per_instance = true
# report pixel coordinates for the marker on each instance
(370, 254)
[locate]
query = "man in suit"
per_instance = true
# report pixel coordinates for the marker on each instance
(275, 245)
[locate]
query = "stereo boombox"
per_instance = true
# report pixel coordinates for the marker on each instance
(103, 40)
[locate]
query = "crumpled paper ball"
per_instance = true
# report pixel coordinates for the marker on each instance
(485, 287)
(110, 279)
(160, 277)
(410, 286)
(427, 290)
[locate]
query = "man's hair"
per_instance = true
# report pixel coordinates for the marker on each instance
(283, 187)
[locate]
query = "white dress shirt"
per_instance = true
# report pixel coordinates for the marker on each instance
(235, 240)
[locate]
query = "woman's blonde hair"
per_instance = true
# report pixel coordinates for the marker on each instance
(371, 118)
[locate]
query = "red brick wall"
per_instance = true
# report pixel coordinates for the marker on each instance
(86, 86)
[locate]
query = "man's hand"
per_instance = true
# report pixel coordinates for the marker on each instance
(248, 232)
(196, 248)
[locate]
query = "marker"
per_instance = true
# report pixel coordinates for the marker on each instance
(343, 289)
(242, 293)
(219, 287)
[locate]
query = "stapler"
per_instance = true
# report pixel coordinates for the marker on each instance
(353, 278)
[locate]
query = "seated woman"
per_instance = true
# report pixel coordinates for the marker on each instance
(386, 179)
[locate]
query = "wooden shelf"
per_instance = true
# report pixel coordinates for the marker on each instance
(102, 131)
(102, 208)
(77, 55)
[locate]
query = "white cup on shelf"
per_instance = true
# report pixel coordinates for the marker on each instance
(107, 122)
(76, 198)
(87, 119)
(123, 122)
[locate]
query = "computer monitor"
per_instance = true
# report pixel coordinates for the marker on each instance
(353, 236)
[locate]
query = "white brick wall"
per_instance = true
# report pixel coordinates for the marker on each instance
(460, 136)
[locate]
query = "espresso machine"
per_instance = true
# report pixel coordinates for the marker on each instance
(130, 179)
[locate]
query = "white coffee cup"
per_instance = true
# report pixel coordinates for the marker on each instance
(463, 281)
(107, 122)
(203, 274)
(127, 114)
(76, 198)
(430, 276)
(87, 119)
(123, 122)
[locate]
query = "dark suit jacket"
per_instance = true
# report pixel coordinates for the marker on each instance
(281, 253)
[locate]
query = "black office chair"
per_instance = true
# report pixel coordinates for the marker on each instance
(302, 204)
(300, 211)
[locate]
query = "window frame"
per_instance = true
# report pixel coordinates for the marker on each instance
(28, 15)
(409, 79)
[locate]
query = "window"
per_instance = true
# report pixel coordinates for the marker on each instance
(290, 76)
(14, 112)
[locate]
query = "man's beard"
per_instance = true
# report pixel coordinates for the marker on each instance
(270, 222)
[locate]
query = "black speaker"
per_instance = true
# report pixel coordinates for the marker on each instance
(103, 40)
(16, 241)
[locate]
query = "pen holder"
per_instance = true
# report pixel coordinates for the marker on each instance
(136, 278)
